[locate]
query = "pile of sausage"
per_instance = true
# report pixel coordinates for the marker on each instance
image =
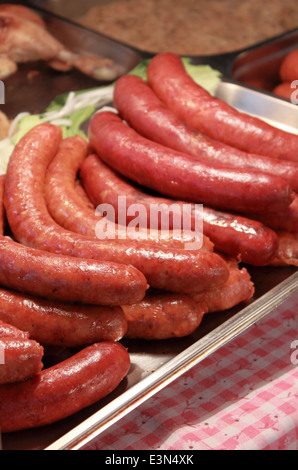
(63, 286)
(288, 74)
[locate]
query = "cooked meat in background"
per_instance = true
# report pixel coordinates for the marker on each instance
(190, 27)
(26, 39)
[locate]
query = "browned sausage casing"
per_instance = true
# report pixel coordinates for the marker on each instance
(213, 117)
(66, 278)
(163, 316)
(71, 208)
(147, 114)
(170, 269)
(63, 389)
(231, 233)
(182, 176)
(20, 356)
(59, 323)
(238, 288)
(56, 276)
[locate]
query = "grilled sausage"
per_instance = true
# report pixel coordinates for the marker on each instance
(65, 278)
(238, 289)
(147, 114)
(213, 117)
(63, 389)
(22, 356)
(59, 323)
(163, 316)
(179, 175)
(237, 236)
(72, 209)
(29, 219)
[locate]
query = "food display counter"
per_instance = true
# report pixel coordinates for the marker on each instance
(231, 383)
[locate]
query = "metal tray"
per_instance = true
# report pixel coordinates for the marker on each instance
(270, 108)
(264, 61)
(155, 364)
(35, 84)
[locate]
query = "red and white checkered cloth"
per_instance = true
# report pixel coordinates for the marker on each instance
(242, 397)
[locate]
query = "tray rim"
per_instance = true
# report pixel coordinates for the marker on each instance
(129, 400)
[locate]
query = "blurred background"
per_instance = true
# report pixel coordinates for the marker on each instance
(187, 27)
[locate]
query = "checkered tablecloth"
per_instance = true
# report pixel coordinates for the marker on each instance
(242, 397)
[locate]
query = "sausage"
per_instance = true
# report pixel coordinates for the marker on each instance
(65, 278)
(163, 316)
(213, 117)
(170, 269)
(9, 331)
(148, 115)
(237, 236)
(63, 201)
(289, 67)
(179, 175)
(58, 276)
(22, 355)
(61, 324)
(284, 90)
(65, 388)
(287, 253)
(238, 289)
(282, 220)
(72, 209)
(2, 211)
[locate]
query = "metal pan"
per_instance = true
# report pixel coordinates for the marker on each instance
(35, 84)
(276, 111)
(171, 369)
(157, 364)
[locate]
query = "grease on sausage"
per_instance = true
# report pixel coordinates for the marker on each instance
(65, 388)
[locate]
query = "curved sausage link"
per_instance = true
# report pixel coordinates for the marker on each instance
(213, 117)
(71, 208)
(170, 269)
(139, 106)
(21, 356)
(163, 316)
(66, 278)
(182, 176)
(59, 323)
(237, 236)
(63, 389)
(57, 276)
(238, 289)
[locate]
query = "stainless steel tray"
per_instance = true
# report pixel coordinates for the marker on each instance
(166, 369)
(155, 364)
(272, 109)
(35, 84)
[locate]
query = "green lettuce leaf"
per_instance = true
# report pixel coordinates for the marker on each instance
(73, 123)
